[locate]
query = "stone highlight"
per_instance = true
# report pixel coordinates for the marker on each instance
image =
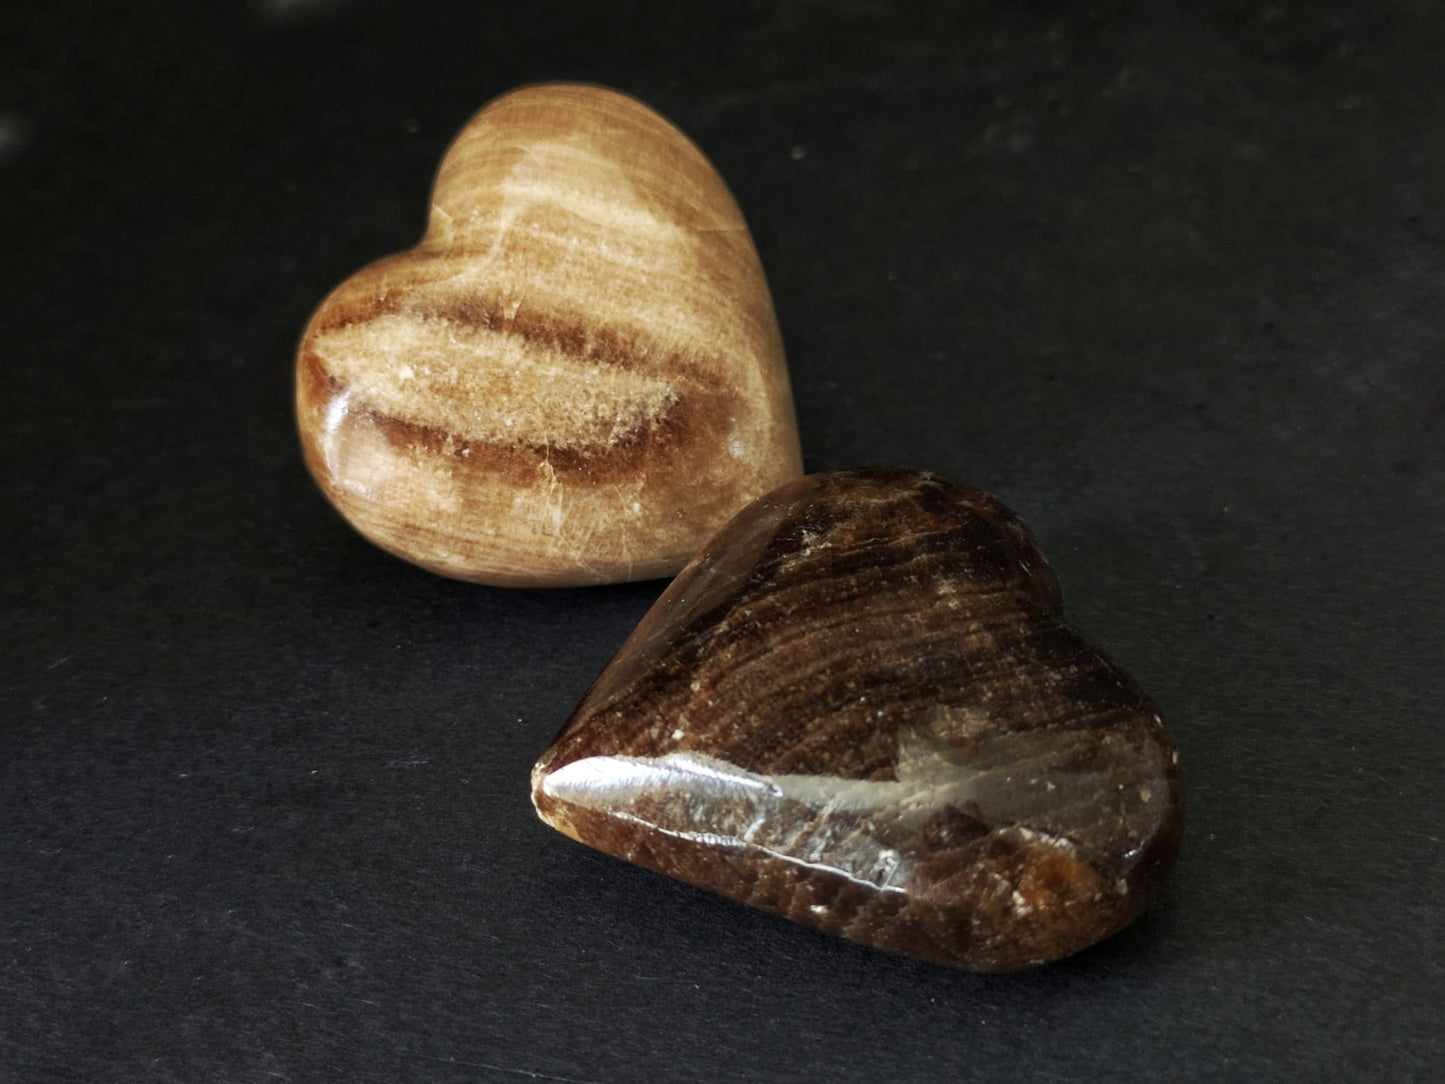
(576, 377)
(859, 708)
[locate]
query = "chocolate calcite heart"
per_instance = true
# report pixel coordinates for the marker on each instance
(860, 708)
(576, 376)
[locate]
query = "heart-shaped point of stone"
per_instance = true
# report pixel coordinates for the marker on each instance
(859, 707)
(576, 377)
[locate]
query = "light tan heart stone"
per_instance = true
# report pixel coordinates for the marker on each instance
(576, 377)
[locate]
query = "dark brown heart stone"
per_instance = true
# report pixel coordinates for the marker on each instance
(859, 707)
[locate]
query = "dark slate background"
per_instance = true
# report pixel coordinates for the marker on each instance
(1167, 277)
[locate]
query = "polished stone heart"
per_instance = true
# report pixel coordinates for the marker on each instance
(859, 707)
(576, 376)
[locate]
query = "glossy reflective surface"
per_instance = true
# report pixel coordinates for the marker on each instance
(860, 708)
(576, 377)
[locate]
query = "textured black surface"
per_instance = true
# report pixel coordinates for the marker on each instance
(1167, 278)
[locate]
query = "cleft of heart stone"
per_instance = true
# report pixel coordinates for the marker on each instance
(576, 377)
(860, 708)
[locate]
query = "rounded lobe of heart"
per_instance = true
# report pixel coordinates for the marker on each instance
(860, 707)
(575, 377)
